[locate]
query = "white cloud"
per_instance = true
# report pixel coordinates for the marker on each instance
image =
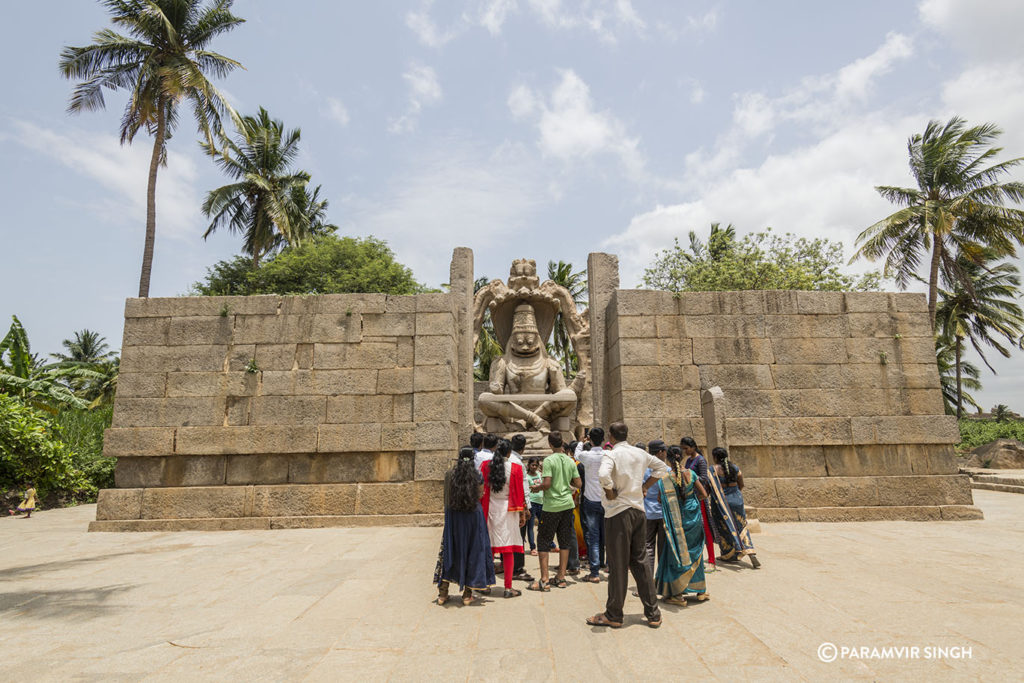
(855, 80)
(422, 24)
(457, 195)
(821, 188)
(494, 13)
(697, 92)
(981, 29)
(607, 19)
(824, 189)
(124, 172)
(337, 112)
(424, 90)
(819, 104)
(571, 129)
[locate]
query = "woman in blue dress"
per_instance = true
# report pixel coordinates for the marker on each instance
(729, 513)
(465, 555)
(680, 566)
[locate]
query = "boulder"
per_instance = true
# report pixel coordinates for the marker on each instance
(1001, 454)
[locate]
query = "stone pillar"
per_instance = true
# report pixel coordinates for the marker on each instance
(461, 283)
(602, 281)
(712, 406)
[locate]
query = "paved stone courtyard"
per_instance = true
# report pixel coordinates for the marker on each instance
(343, 604)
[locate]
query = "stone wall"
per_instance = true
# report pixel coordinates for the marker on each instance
(270, 411)
(831, 400)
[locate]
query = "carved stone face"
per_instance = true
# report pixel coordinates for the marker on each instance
(524, 343)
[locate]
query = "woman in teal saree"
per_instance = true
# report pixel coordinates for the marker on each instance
(681, 567)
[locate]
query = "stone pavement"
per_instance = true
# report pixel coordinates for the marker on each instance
(341, 604)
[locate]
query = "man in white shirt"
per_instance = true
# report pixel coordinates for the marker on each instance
(590, 454)
(622, 478)
(487, 452)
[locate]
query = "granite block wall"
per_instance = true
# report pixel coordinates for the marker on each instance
(268, 407)
(831, 399)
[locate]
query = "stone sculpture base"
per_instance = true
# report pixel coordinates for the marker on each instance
(285, 506)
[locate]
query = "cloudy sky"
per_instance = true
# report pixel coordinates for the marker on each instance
(537, 128)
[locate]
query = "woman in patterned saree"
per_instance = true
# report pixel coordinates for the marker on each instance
(465, 555)
(727, 510)
(680, 566)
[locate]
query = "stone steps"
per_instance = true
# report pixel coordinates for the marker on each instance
(992, 486)
(244, 523)
(914, 513)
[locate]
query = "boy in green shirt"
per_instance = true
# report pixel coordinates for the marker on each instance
(560, 476)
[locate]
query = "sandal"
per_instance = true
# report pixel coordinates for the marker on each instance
(522, 576)
(593, 579)
(442, 594)
(654, 623)
(601, 620)
(468, 597)
(512, 593)
(558, 583)
(539, 587)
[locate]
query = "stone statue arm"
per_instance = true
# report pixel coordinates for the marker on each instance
(556, 382)
(499, 372)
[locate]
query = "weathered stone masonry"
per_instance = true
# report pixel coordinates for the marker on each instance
(831, 400)
(247, 412)
(283, 412)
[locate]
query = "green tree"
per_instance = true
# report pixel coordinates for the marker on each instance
(86, 347)
(1001, 412)
(955, 388)
(576, 283)
(43, 386)
(31, 451)
(261, 203)
(162, 62)
(327, 265)
(487, 346)
(760, 260)
(980, 307)
(958, 204)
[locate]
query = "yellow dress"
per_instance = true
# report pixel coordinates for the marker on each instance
(30, 501)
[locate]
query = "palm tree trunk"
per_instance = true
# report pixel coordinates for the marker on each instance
(933, 278)
(154, 164)
(959, 379)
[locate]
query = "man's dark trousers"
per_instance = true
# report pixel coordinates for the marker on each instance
(626, 538)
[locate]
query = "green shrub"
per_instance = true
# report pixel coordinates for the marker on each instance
(82, 431)
(31, 451)
(974, 433)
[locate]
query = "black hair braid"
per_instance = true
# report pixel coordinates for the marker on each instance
(728, 469)
(463, 492)
(497, 478)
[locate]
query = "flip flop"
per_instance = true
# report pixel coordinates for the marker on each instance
(538, 587)
(593, 579)
(654, 624)
(601, 620)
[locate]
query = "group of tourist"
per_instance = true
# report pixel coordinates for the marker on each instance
(649, 510)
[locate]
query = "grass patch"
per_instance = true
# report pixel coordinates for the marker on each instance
(974, 433)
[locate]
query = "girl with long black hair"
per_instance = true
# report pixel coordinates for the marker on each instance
(734, 539)
(504, 505)
(465, 555)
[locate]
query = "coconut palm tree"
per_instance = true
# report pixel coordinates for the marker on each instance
(985, 312)
(487, 346)
(86, 347)
(263, 204)
(969, 379)
(957, 205)
(162, 62)
(1001, 412)
(576, 283)
(312, 213)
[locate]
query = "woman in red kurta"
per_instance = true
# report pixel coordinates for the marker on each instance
(504, 506)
